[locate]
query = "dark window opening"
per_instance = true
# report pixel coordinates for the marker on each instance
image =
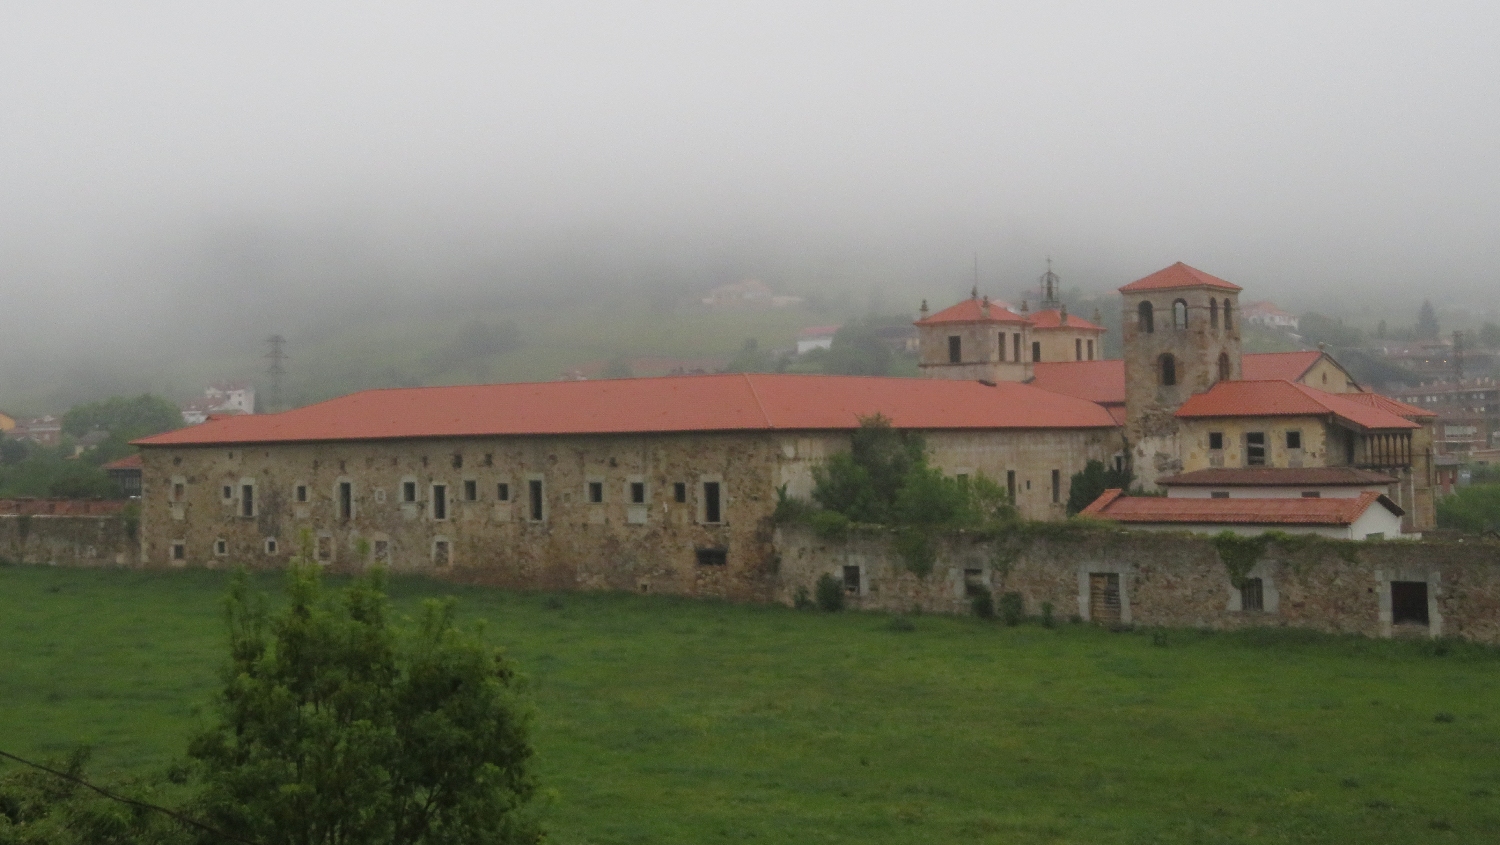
(1294, 440)
(440, 553)
(1224, 366)
(301, 492)
(1216, 440)
(1179, 314)
(1091, 350)
(1015, 347)
(488, 460)
(346, 500)
(1252, 595)
(1349, 448)
(1056, 486)
(1311, 494)
(534, 491)
(325, 547)
(1213, 313)
(1010, 484)
(955, 349)
(228, 492)
(851, 580)
(711, 501)
(382, 549)
(1002, 346)
(1168, 370)
(1255, 449)
(502, 492)
(247, 500)
(637, 493)
(1218, 494)
(596, 492)
(974, 582)
(221, 547)
(179, 490)
(270, 545)
(1146, 317)
(408, 491)
(1228, 321)
(471, 491)
(1078, 349)
(179, 551)
(1036, 350)
(713, 557)
(439, 501)
(458, 460)
(679, 492)
(1409, 602)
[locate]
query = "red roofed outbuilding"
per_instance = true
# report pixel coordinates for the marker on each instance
(1368, 516)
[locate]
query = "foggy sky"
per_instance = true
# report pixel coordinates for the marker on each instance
(164, 163)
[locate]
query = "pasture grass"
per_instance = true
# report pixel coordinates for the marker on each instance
(672, 720)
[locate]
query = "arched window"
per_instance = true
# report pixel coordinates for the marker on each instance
(1168, 370)
(1213, 313)
(1146, 321)
(1179, 314)
(1228, 322)
(1223, 366)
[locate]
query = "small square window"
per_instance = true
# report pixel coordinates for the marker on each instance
(1294, 440)
(302, 492)
(596, 492)
(713, 557)
(637, 493)
(179, 551)
(471, 491)
(1252, 595)
(851, 580)
(1216, 440)
(502, 492)
(679, 492)
(408, 491)
(228, 492)
(271, 545)
(221, 547)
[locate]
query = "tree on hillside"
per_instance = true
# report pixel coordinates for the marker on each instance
(336, 728)
(124, 418)
(1427, 322)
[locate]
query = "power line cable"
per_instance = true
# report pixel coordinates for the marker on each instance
(187, 820)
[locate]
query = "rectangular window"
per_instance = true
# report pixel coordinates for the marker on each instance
(439, 501)
(440, 553)
(301, 493)
(1216, 440)
(471, 490)
(679, 492)
(1036, 350)
(1219, 494)
(1010, 484)
(502, 492)
(1002, 346)
(711, 501)
(408, 491)
(1294, 440)
(596, 492)
(955, 349)
(1091, 350)
(712, 557)
(382, 550)
(1078, 349)
(1255, 449)
(1409, 602)
(1015, 347)
(534, 491)
(1056, 486)
(179, 551)
(325, 547)
(1252, 595)
(1311, 494)
(346, 500)
(851, 580)
(247, 500)
(637, 492)
(228, 492)
(221, 547)
(270, 545)
(179, 490)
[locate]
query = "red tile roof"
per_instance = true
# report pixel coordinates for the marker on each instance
(1051, 318)
(1280, 398)
(127, 462)
(1179, 275)
(1277, 477)
(1154, 509)
(1290, 366)
(1386, 403)
(729, 402)
(974, 311)
(1096, 381)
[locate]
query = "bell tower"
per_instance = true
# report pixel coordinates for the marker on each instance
(1181, 335)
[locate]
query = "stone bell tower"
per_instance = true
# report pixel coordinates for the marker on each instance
(1181, 335)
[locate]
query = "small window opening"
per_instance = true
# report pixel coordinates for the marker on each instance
(458, 460)
(325, 547)
(346, 500)
(1145, 317)
(179, 491)
(679, 492)
(502, 492)
(1218, 494)
(1168, 370)
(1015, 347)
(1056, 486)
(408, 491)
(1213, 313)
(271, 545)
(488, 460)
(179, 551)
(1252, 595)
(1255, 449)
(711, 501)
(471, 490)
(712, 557)
(1010, 484)
(221, 547)
(534, 492)
(228, 492)
(247, 500)
(851, 580)
(974, 583)
(637, 493)
(382, 550)
(1002, 346)
(1294, 440)
(1224, 366)
(596, 492)
(440, 553)
(439, 501)
(1179, 314)
(955, 349)
(1091, 350)
(1312, 494)
(1216, 440)
(1409, 602)
(1228, 323)
(301, 493)
(1078, 349)
(1036, 350)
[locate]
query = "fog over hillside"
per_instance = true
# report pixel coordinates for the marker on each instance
(182, 179)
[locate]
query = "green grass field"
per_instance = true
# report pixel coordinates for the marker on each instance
(664, 720)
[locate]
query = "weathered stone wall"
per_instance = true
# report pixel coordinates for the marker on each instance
(1171, 580)
(67, 533)
(981, 356)
(1068, 344)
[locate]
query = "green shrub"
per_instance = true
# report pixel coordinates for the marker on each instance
(802, 599)
(1012, 608)
(1047, 620)
(830, 525)
(915, 547)
(790, 508)
(983, 603)
(830, 593)
(1089, 484)
(1474, 508)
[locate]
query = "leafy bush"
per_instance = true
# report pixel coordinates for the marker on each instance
(1012, 608)
(914, 545)
(830, 525)
(983, 604)
(1090, 484)
(1473, 508)
(830, 593)
(802, 600)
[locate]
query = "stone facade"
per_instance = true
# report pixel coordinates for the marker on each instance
(1170, 580)
(67, 533)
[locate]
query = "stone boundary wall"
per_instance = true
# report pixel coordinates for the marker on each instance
(55, 532)
(1166, 579)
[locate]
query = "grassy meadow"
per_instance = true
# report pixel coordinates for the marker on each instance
(662, 720)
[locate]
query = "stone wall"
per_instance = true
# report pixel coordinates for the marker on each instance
(67, 533)
(1169, 580)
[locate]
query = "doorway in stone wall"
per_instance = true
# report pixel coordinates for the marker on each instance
(1104, 598)
(1409, 603)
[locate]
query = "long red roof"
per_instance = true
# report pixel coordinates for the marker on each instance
(730, 402)
(1291, 366)
(1279, 398)
(1179, 275)
(1386, 403)
(974, 311)
(1096, 381)
(1285, 511)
